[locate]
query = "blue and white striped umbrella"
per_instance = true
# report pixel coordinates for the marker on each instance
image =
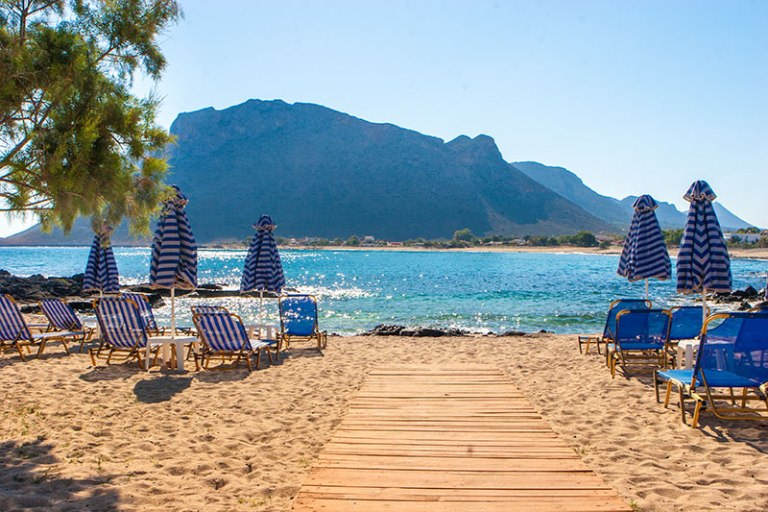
(263, 270)
(101, 270)
(702, 263)
(645, 253)
(174, 251)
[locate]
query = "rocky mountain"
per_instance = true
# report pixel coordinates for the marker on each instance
(324, 173)
(617, 212)
(570, 186)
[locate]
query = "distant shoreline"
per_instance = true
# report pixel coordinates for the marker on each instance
(736, 253)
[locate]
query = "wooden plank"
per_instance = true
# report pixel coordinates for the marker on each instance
(431, 438)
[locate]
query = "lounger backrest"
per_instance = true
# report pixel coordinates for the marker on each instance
(620, 305)
(60, 314)
(686, 322)
(145, 309)
(298, 315)
(120, 322)
(736, 343)
(12, 324)
(221, 331)
(649, 326)
(206, 308)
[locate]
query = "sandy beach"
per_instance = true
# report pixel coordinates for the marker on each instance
(115, 438)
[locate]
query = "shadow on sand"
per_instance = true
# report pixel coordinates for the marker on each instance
(28, 482)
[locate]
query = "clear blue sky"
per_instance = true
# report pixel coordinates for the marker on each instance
(634, 96)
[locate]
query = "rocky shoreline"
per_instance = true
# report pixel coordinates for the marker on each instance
(28, 291)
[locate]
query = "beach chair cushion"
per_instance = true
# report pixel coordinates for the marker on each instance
(60, 314)
(298, 314)
(121, 323)
(12, 324)
(222, 331)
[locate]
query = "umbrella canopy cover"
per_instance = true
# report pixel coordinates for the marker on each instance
(645, 253)
(703, 263)
(101, 270)
(174, 250)
(263, 270)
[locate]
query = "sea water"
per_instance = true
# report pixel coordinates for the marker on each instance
(564, 293)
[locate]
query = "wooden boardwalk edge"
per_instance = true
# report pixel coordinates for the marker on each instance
(424, 438)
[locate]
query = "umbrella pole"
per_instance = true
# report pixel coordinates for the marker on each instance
(173, 313)
(261, 306)
(646, 288)
(703, 307)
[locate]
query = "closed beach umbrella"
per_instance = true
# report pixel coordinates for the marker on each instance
(703, 264)
(101, 270)
(645, 253)
(263, 270)
(174, 251)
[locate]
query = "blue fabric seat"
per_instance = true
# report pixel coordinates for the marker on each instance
(610, 323)
(641, 338)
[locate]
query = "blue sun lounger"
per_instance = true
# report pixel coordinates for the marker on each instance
(731, 369)
(641, 339)
(610, 322)
(298, 321)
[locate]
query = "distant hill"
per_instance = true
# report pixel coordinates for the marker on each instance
(81, 234)
(614, 211)
(570, 186)
(324, 173)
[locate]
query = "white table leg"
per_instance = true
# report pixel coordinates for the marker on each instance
(180, 356)
(688, 356)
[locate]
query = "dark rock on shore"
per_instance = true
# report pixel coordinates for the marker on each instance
(415, 332)
(37, 287)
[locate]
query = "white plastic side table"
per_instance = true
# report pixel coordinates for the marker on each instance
(165, 343)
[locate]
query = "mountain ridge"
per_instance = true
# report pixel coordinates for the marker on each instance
(324, 173)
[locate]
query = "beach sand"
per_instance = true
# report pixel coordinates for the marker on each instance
(76, 437)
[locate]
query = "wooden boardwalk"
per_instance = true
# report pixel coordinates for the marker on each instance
(448, 439)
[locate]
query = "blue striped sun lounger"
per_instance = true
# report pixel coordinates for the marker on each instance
(15, 332)
(223, 334)
(122, 329)
(61, 317)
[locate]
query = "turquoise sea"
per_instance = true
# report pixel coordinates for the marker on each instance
(564, 293)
